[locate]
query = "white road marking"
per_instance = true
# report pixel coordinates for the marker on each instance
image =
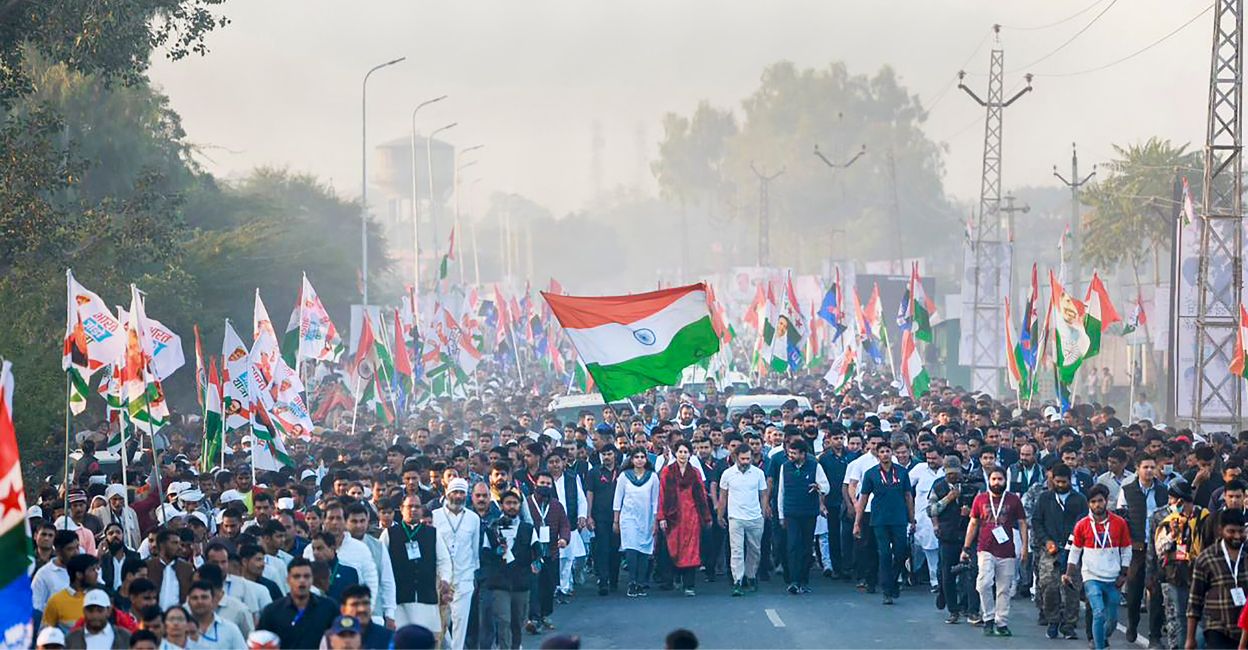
(774, 618)
(1139, 639)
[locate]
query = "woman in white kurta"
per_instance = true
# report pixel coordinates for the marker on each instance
(636, 505)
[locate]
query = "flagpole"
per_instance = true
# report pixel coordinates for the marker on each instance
(125, 480)
(68, 421)
(515, 349)
(356, 408)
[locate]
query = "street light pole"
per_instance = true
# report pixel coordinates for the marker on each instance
(455, 189)
(416, 198)
(433, 199)
(476, 253)
(364, 173)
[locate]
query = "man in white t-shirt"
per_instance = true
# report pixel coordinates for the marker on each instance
(742, 508)
(866, 557)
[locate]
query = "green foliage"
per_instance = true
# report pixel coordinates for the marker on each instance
(111, 39)
(1133, 203)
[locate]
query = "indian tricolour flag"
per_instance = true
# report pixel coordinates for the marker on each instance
(922, 308)
(15, 542)
(842, 370)
(914, 377)
(1238, 366)
(632, 343)
(1101, 313)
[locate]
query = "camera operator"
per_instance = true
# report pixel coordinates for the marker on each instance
(949, 506)
(516, 560)
(1056, 512)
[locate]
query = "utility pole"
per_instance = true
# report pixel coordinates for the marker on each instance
(1074, 282)
(1010, 210)
(764, 213)
(896, 207)
(845, 165)
(1219, 283)
(984, 352)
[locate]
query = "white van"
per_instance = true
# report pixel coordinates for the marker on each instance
(567, 408)
(739, 403)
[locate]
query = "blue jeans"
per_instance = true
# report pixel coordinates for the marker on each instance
(1103, 599)
(892, 545)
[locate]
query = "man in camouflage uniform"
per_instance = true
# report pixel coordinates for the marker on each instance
(1056, 512)
(1029, 499)
(1176, 542)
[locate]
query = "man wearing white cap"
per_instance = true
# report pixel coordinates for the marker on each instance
(97, 631)
(119, 512)
(50, 638)
(169, 509)
(460, 528)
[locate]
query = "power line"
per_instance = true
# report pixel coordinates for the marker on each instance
(953, 80)
(1070, 40)
(1133, 54)
(1055, 24)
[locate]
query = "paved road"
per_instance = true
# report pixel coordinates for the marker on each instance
(836, 615)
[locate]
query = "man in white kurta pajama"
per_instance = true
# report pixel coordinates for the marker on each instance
(460, 528)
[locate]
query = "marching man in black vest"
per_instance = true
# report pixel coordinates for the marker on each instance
(515, 553)
(422, 567)
(571, 494)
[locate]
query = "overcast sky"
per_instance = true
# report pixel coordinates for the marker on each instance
(281, 85)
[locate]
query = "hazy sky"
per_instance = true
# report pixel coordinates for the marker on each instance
(281, 85)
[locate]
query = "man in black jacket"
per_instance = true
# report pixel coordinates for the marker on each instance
(312, 613)
(515, 562)
(1056, 512)
(1137, 501)
(949, 507)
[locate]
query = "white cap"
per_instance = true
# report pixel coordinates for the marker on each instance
(177, 487)
(115, 490)
(65, 523)
(96, 598)
(50, 636)
(191, 494)
(34, 511)
(285, 503)
(554, 433)
(230, 495)
(263, 639)
(457, 485)
(306, 474)
(203, 518)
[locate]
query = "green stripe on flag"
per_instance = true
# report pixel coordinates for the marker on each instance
(691, 344)
(16, 546)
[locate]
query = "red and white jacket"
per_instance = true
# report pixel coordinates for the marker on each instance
(1105, 548)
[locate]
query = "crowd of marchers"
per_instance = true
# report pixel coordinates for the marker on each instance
(470, 522)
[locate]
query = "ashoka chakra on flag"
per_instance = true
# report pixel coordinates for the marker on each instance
(632, 343)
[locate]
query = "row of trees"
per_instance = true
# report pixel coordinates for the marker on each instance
(97, 174)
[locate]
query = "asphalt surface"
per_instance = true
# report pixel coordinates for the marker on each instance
(835, 616)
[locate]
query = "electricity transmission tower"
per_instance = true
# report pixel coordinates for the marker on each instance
(1219, 284)
(982, 315)
(764, 213)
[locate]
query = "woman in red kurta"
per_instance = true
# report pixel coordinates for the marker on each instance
(683, 512)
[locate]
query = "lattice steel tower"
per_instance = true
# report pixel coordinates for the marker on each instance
(985, 317)
(1220, 275)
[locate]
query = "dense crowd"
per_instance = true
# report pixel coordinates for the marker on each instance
(473, 520)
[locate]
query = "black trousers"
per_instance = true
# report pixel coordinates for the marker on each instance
(712, 546)
(606, 553)
(799, 533)
(780, 549)
(664, 570)
(835, 558)
(1135, 596)
(867, 555)
(950, 554)
(547, 580)
(1217, 639)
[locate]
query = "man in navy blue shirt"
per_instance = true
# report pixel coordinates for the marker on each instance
(834, 459)
(892, 515)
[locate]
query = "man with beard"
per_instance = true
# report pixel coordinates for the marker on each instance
(994, 516)
(600, 493)
(117, 512)
(1056, 512)
(460, 530)
(1217, 590)
(1101, 546)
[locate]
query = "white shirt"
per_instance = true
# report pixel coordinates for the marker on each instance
(854, 471)
(462, 534)
(582, 504)
(255, 597)
(101, 641)
(743, 489)
(169, 588)
(1143, 411)
(49, 579)
(384, 601)
(222, 635)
